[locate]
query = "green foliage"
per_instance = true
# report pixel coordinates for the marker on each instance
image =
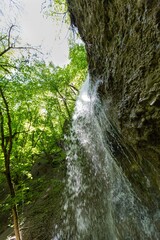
(41, 101)
(57, 10)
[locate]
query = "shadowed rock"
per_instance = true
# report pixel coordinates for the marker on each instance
(122, 39)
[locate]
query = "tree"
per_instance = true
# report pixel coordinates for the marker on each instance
(36, 105)
(6, 145)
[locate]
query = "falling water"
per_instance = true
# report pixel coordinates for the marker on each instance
(100, 203)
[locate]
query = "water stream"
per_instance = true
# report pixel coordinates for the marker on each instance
(100, 203)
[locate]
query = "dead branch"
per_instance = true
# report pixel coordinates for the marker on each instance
(11, 45)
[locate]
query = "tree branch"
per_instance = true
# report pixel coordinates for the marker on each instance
(4, 51)
(8, 123)
(65, 103)
(73, 88)
(9, 35)
(11, 45)
(2, 132)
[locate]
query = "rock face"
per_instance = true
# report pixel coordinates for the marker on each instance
(122, 39)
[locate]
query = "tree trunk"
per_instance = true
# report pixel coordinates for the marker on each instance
(15, 221)
(6, 145)
(14, 207)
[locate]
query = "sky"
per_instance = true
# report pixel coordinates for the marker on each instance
(34, 28)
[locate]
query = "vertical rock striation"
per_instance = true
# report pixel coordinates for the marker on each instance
(122, 39)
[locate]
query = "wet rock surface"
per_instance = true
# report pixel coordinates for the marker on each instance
(122, 40)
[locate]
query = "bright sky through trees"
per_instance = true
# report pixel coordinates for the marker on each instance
(34, 28)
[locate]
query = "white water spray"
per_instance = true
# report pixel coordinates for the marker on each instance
(100, 203)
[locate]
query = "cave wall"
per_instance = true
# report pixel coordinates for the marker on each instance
(122, 39)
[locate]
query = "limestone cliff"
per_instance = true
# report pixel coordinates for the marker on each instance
(122, 39)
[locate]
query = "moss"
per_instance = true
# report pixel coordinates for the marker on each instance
(122, 44)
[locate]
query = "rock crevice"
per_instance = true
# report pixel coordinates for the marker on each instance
(122, 39)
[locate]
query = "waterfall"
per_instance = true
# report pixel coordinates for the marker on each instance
(100, 202)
